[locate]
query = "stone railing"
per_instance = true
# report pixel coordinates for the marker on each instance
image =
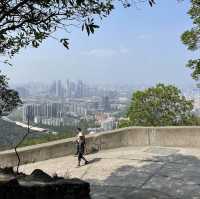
(132, 136)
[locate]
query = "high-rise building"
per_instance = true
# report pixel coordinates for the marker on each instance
(67, 89)
(52, 90)
(79, 89)
(59, 89)
(106, 104)
(28, 112)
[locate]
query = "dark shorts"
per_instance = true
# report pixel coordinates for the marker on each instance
(80, 156)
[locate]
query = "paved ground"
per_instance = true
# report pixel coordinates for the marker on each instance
(134, 172)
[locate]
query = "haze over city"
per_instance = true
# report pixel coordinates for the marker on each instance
(120, 52)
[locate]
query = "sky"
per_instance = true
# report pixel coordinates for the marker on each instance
(137, 45)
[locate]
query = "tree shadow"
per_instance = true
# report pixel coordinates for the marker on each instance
(174, 176)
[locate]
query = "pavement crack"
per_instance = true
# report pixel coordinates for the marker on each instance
(151, 176)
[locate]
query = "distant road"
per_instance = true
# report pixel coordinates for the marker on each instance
(38, 129)
(7, 120)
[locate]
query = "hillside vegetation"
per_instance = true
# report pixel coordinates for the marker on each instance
(11, 134)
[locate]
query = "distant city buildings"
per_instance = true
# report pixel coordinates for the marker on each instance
(68, 102)
(108, 124)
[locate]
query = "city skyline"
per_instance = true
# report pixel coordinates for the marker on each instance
(106, 86)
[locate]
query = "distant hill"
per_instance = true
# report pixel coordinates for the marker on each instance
(11, 134)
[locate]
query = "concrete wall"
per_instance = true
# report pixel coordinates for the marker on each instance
(175, 136)
(132, 136)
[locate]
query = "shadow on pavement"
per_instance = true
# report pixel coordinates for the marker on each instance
(174, 176)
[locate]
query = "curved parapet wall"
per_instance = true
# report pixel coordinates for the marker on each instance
(132, 136)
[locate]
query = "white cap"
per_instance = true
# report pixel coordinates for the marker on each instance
(80, 134)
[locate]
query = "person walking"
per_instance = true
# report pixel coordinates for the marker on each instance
(77, 139)
(81, 148)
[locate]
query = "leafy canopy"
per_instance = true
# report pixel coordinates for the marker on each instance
(161, 105)
(191, 38)
(29, 22)
(9, 98)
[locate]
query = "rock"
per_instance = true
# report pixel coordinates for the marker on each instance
(40, 185)
(39, 175)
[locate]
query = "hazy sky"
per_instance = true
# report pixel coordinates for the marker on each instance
(133, 46)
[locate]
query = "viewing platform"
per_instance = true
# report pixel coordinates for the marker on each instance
(130, 163)
(133, 172)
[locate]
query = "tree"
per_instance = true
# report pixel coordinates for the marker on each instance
(191, 38)
(9, 98)
(28, 22)
(162, 105)
(125, 122)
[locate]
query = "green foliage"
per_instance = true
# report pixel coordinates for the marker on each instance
(160, 106)
(47, 138)
(71, 130)
(194, 64)
(9, 98)
(59, 129)
(120, 113)
(124, 123)
(191, 38)
(28, 22)
(11, 134)
(63, 132)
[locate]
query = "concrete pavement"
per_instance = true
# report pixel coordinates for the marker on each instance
(133, 172)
